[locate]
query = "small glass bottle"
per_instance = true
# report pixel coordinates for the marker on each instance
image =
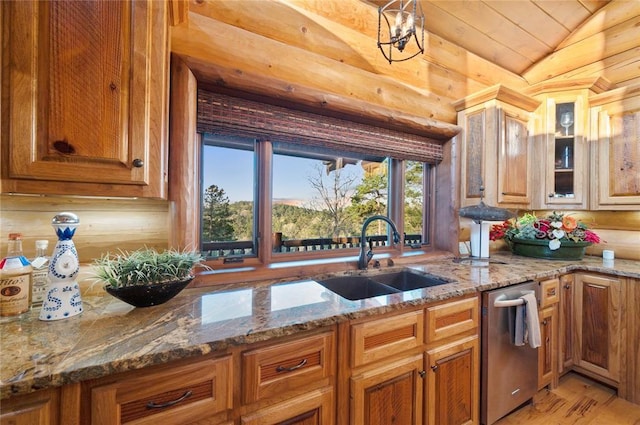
(15, 279)
(40, 274)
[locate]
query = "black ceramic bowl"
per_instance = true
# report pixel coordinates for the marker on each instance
(148, 295)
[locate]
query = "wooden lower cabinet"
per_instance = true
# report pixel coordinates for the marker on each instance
(453, 382)
(388, 394)
(313, 408)
(431, 380)
(565, 324)
(51, 406)
(39, 408)
(597, 304)
(548, 352)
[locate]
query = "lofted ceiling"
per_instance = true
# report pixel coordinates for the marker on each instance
(514, 34)
(311, 50)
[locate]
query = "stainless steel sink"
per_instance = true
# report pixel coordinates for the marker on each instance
(406, 280)
(356, 287)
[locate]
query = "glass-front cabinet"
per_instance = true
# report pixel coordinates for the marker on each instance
(563, 147)
(561, 167)
(560, 155)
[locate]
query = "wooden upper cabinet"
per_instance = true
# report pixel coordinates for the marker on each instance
(561, 143)
(496, 147)
(615, 126)
(86, 98)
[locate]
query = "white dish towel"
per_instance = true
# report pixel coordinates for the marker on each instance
(530, 320)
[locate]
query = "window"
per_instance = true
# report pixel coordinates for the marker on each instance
(227, 216)
(311, 199)
(415, 211)
(321, 197)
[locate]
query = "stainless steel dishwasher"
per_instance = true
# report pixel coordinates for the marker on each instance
(509, 375)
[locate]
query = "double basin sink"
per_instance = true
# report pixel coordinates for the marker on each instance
(361, 287)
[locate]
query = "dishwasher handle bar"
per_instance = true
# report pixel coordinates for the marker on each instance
(502, 301)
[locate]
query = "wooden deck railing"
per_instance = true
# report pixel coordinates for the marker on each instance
(241, 248)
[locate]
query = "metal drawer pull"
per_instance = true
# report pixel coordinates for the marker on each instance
(292, 368)
(152, 405)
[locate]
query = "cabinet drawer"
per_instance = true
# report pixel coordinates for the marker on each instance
(387, 336)
(450, 319)
(314, 407)
(549, 292)
(273, 370)
(177, 395)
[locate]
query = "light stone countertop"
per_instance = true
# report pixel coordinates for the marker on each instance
(111, 336)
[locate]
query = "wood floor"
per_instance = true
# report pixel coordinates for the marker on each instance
(577, 400)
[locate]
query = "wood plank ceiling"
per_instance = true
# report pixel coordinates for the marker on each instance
(514, 34)
(312, 50)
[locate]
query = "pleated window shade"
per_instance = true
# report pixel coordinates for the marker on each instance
(230, 116)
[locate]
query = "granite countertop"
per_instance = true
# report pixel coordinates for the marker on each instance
(111, 336)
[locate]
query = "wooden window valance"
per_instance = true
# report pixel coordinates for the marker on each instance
(231, 116)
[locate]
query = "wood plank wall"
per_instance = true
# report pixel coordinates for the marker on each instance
(618, 230)
(106, 225)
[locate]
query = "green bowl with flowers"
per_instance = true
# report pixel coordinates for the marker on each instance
(555, 237)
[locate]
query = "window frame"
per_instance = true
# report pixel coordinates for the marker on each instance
(263, 205)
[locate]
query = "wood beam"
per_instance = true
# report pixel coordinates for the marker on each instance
(295, 25)
(283, 93)
(206, 42)
(592, 49)
(609, 16)
(184, 159)
(466, 72)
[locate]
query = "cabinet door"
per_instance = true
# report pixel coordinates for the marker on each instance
(547, 352)
(389, 393)
(39, 408)
(566, 159)
(566, 325)
(513, 160)
(86, 98)
(617, 153)
(313, 408)
(496, 149)
(453, 383)
(597, 321)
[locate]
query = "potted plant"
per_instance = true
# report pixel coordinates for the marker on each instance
(146, 277)
(557, 236)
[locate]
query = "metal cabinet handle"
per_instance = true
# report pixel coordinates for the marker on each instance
(152, 405)
(138, 163)
(422, 373)
(551, 195)
(544, 322)
(292, 368)
(434, 367)
(567, 286)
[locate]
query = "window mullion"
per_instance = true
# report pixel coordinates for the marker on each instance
(396, 196)
(264, 206)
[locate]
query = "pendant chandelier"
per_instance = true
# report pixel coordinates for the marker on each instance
(399, 23)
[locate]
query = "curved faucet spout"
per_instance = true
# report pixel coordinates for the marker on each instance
(365, 257)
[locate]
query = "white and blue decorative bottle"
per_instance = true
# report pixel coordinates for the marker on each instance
(63, 293)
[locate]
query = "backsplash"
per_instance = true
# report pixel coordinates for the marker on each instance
(106, 224)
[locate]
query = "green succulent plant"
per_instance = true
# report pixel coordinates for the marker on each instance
(145, 267)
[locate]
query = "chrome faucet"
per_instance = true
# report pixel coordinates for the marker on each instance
(364, 258)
